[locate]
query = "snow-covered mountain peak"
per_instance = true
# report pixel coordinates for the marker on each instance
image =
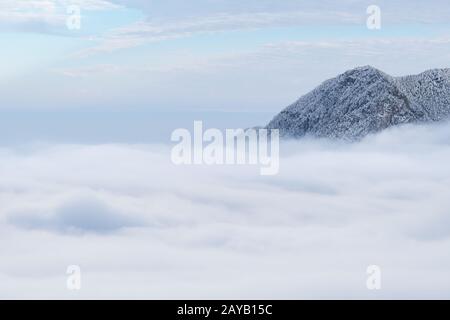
(366, 100)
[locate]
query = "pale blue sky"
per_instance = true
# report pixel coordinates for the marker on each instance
(215, 55)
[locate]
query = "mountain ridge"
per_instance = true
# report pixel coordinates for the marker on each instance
(366, 100)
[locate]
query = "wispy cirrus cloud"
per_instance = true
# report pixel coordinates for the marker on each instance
(89, 70)
(44, 15)
(201, 17)
(400, 11)
(148, 31)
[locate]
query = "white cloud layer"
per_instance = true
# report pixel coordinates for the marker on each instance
(140, 227)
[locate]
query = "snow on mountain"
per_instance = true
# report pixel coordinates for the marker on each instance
(366, 100)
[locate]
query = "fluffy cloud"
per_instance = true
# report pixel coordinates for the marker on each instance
(226, 232)
(76, 215)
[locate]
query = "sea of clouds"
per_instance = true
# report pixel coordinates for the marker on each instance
(141, 227)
